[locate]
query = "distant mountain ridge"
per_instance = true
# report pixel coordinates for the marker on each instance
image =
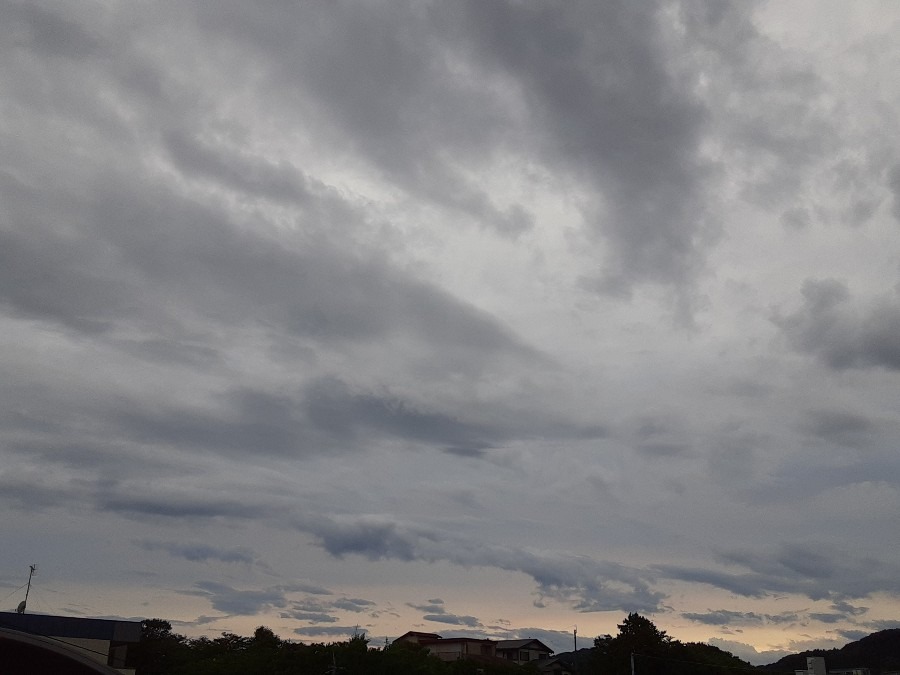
(879, 652)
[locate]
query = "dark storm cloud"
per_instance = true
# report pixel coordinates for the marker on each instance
(453, 619)
(827, 617)
(48, 32)
(199, 256)
(847, 609)
(436, 612)
(724, 617)
(894, 185)
(327, 416)
(239, 603)
(341, 412)
(433, 607)
(312, 617)
(663, 449)
(201, 268)
(332, 406)
(321, 610)
(342, 631)
(817, 572)
(27, 491)
(312, 589)
(372, 538)
(200, 552)
(353, 604)
(136, 245)
(659, 437)
(586, 584)
(878, 466)
(740, 584)
(844, 332)
(170, 505)
(841, 427)
(767, 102)
(385, 89)
(139, 250)
(233, 239)
(229, 169)
(606, 110)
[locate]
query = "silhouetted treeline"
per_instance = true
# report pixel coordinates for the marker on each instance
(879, 652)
(162, 652)
(655, 653)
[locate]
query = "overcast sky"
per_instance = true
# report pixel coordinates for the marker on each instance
(476, 317)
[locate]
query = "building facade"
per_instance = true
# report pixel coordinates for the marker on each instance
(101, 641)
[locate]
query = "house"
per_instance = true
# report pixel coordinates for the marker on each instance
(553, 665)
(480, 649)
(523, 651)
(74, 644)
(416, 637)
(455, 649)
(815, 665)
(452, 648)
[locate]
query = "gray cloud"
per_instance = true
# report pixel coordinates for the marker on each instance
(48, 32)
(312, 617)
(436, 612)
(815, 571)
(311, 589)
(842, 332)
(609, 106)
(200, 552)
(894, 185)
(169, 506)
(453, 619)
(848, 609)
(586, 584)
(261, 263)
(841, 427)
(334, 631)
(321, 610)
(252, 176)
(827, 617)
(237, 602)
(353, 604)
(433, 607)
(882, 624)
(607, 111)
(725, 617)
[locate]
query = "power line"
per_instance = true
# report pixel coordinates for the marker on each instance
(14, 592)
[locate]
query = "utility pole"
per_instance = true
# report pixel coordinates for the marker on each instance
(575, 644)
(632, 663)
(21, 608)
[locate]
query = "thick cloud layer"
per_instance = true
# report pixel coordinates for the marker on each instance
(463, 316)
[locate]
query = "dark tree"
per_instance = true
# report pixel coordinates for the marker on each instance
(160, 651)
(655, 653)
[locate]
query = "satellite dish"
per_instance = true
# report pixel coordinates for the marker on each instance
(21, 608)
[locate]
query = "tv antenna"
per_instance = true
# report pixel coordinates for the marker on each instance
(21, 608)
